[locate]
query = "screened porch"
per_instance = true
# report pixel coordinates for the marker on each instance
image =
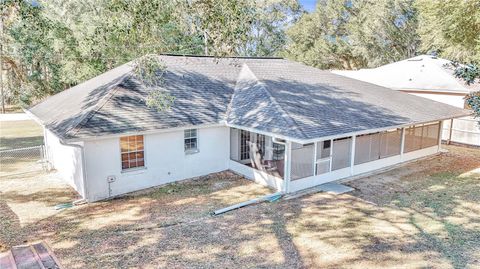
(300, 166)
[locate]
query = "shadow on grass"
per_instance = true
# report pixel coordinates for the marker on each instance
(170, 226)
(9, 143)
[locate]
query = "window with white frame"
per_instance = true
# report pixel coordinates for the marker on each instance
(132, 151)
(191, 140)
(324, 157)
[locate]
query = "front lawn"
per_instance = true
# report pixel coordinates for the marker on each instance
(422, 215)
(20, 134)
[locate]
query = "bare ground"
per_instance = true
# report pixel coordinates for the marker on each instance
(422, 215)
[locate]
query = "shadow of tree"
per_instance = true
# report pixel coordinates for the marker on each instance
(9, 226)
(170, 226)
(8, 143)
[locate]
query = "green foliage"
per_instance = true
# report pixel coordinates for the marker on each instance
(151, 70)
(52, 45)
(384, 31)
(55, 44)
(470, 73)
(159, 100)
(473, 101)
(321, 38)
(31, 35)
(451, 28)
(354, 34)
(242, 27)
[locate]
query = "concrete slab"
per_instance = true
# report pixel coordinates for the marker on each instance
(335, 188)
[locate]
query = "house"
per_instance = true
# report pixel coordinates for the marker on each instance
(429, 77)
(278, 122)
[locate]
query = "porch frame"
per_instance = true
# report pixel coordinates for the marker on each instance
(352, 169)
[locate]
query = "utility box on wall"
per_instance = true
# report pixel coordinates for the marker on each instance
(111, 179)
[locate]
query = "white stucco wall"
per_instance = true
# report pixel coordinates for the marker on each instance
(66, 160)
(449, 99)
(165, 161)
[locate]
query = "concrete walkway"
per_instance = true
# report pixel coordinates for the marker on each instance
(335, 188)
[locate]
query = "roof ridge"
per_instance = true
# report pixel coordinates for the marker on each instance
(230, 103)
(223, 57)
(285, 115)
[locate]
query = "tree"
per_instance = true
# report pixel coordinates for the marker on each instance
(151, 71)
(451, 28)
(321, 38)
(241, 27)
(56, 44)
(471, 74)
(268, 37)
(354, 34)
(384, 31)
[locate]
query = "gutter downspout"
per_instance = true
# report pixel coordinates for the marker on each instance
(84, 166)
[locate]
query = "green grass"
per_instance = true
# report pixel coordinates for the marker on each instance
(20, 134)
(448, 193)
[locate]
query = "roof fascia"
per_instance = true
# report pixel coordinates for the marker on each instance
(35, 118)
(254, 130)
(369, 131)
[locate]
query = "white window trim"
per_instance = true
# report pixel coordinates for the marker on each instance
(192, 151)
(322, 160)
(133, 169)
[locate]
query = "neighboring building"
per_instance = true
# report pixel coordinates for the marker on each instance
(430, 77)
(280, 123)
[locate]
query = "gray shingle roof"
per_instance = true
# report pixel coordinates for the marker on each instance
(270, 95)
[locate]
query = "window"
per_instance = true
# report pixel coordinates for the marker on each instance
(325, 149)
(244, 146)
(323, 157)
(132, 151)
(191, 140)
(278, 151)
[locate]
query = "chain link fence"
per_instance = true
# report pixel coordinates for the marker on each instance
(22, 160)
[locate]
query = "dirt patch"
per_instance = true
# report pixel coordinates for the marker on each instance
(425, 215)
(26, 199)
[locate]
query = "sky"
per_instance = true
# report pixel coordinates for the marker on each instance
(309, 5)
